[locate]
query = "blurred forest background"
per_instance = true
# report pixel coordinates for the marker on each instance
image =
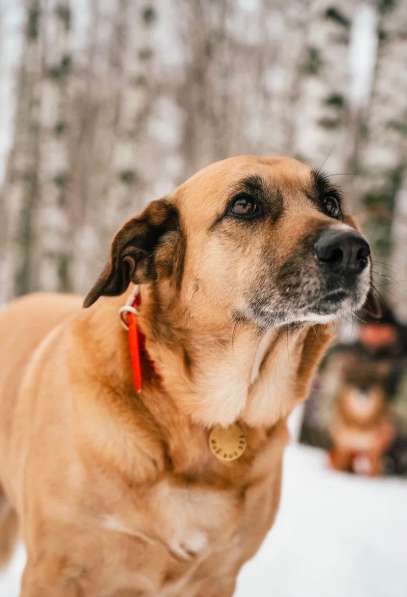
(107, 104)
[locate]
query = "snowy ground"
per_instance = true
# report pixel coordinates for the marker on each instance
(335, 536)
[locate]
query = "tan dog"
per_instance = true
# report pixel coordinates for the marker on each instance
(241, 270)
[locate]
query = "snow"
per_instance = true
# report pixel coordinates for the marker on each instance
(336, 535)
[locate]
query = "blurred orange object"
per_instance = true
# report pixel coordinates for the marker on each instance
(377, 335)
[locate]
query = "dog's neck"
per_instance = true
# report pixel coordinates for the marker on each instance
(222, 373)
(206, 377)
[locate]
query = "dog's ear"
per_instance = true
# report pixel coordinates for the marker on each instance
(144, 249)
(372, 306)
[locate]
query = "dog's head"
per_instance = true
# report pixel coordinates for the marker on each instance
(263, 240)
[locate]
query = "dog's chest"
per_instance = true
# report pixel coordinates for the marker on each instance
(195, 529)
(191, 534)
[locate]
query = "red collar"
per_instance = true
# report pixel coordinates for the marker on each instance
(137, 340)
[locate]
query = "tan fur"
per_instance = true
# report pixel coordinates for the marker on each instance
(8, 530)
(117, 494)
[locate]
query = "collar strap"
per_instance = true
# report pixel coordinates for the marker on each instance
(137, 340)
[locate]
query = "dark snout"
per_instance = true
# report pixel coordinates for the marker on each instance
(343, 252)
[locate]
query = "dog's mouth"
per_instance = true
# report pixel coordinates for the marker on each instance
(332, 301)
(339, 302)
(301, 305)
(335, 296)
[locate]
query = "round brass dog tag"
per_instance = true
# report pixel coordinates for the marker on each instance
(227, 443)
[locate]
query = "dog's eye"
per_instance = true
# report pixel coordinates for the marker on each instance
(244, 206)
(332, 206)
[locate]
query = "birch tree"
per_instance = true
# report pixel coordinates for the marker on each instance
(384, 154)
(320, 122)
(53, 214)
(135, 90)
(21, 188)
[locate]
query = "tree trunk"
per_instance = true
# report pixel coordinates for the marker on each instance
(21, 187)
(53, 221)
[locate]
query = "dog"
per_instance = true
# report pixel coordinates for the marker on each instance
(361, 428)
(240, 274)
(370, 371)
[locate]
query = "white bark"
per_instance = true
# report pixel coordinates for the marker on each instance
(53, 219)
(20, 189)
(383, 157)
(321, 119)
(398, 286)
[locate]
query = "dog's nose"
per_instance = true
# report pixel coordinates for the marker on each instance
(342, 251)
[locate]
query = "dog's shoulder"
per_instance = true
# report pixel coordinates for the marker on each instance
(115, 429)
